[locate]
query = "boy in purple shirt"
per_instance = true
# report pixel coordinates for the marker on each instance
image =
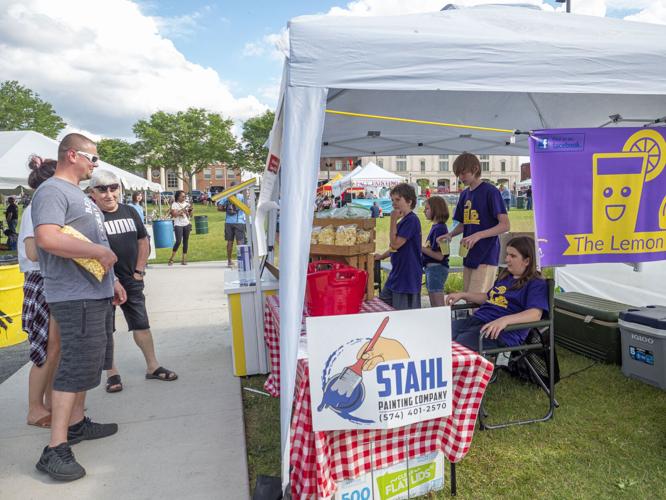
(482, 217)
(520, 295)
(402, 289)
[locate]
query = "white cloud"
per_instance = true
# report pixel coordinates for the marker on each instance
(655, 12)
(179, 26)
(104, 65)
(252, 49)
(275, 45)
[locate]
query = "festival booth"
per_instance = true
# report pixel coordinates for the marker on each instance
(475, 79)
(328, 187)
(369, 176)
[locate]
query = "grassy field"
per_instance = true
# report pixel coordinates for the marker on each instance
(607, 440)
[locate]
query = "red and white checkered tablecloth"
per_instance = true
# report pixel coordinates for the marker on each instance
(320, 459)
(272, 336)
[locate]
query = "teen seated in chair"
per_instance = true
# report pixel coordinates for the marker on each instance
(519, 295)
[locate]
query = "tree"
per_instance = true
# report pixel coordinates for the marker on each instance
(23, 109)
(121, 154)
(251, 153)
(191, 140)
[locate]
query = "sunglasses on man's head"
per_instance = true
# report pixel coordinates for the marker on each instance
(89, 156)
(110, 187)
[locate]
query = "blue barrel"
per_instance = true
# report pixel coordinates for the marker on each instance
(163, 232)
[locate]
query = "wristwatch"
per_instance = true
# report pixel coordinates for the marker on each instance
(142, 273)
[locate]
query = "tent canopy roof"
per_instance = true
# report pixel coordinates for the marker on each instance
(17, 146)
(373, 172)
(496, 66)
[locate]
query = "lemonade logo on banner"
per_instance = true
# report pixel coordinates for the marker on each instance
(599, 195)
(379, 370)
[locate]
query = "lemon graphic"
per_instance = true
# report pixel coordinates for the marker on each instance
(653, 144)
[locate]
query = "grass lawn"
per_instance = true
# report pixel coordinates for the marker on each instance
(607, 440)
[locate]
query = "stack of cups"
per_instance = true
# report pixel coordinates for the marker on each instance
(245, 265)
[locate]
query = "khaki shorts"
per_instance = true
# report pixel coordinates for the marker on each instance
(479, 280)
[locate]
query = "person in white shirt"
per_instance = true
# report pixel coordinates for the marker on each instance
(181, 211)
(42, 330)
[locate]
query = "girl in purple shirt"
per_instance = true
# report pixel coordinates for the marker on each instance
(435, 261)
(520, 295)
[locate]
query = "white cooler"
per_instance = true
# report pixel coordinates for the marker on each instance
(643, 337)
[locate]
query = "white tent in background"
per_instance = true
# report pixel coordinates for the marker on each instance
(441, 83)
(17, 146)
(339, 186)
(525, 183)
(371, 175)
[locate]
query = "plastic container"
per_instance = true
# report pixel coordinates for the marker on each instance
(644, 344)
(11, 304)
(335, 291)
(589, 325)
(163, 232)
(201, 224)
(325, 265)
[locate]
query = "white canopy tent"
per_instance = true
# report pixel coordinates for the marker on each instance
(371, 175)
(17, 146)
(498, 67)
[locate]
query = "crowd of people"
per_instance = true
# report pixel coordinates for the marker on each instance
(518, 295)
(83, 255)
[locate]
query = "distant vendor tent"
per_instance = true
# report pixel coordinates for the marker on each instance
(371, 175)
(17, 146)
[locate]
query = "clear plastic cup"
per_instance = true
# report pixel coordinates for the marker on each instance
(463, 251)
(444, 247)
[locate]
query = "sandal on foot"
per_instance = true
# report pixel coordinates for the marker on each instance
(44, 422)
(113, 384)
(170, 263)
(162, 374)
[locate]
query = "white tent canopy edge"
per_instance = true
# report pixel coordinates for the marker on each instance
(17, 146)
(548, 71)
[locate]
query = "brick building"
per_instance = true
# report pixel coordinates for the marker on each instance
(217, 174)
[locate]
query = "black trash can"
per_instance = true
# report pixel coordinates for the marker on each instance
(201, 224)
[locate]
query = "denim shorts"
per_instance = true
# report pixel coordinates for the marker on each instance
(436, 275)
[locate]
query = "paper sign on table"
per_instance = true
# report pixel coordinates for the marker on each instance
(380, 370)
(403, 480)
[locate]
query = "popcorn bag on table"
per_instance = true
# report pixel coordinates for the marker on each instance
(91, 265)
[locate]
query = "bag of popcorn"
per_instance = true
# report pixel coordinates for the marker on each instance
(91, 265)
(346, 235)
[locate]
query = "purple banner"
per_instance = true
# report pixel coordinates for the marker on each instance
(599, 194)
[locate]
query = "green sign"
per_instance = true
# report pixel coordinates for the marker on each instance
(393, 484)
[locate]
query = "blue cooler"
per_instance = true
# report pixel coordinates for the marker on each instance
(163, 232)
(643, 337)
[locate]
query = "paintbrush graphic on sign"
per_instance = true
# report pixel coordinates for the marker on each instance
(351, 376)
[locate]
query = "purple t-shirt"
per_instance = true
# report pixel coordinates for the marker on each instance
(502, 301)
(436, 231)
(405, 277)
(478, 210)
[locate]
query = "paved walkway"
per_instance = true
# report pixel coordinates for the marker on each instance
(182, 439)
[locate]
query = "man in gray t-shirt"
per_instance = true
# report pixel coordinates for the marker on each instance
(77, 301)
(62, 203)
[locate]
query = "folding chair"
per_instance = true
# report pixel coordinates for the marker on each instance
(540, 340)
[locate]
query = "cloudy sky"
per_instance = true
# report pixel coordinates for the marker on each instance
(104, 64)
